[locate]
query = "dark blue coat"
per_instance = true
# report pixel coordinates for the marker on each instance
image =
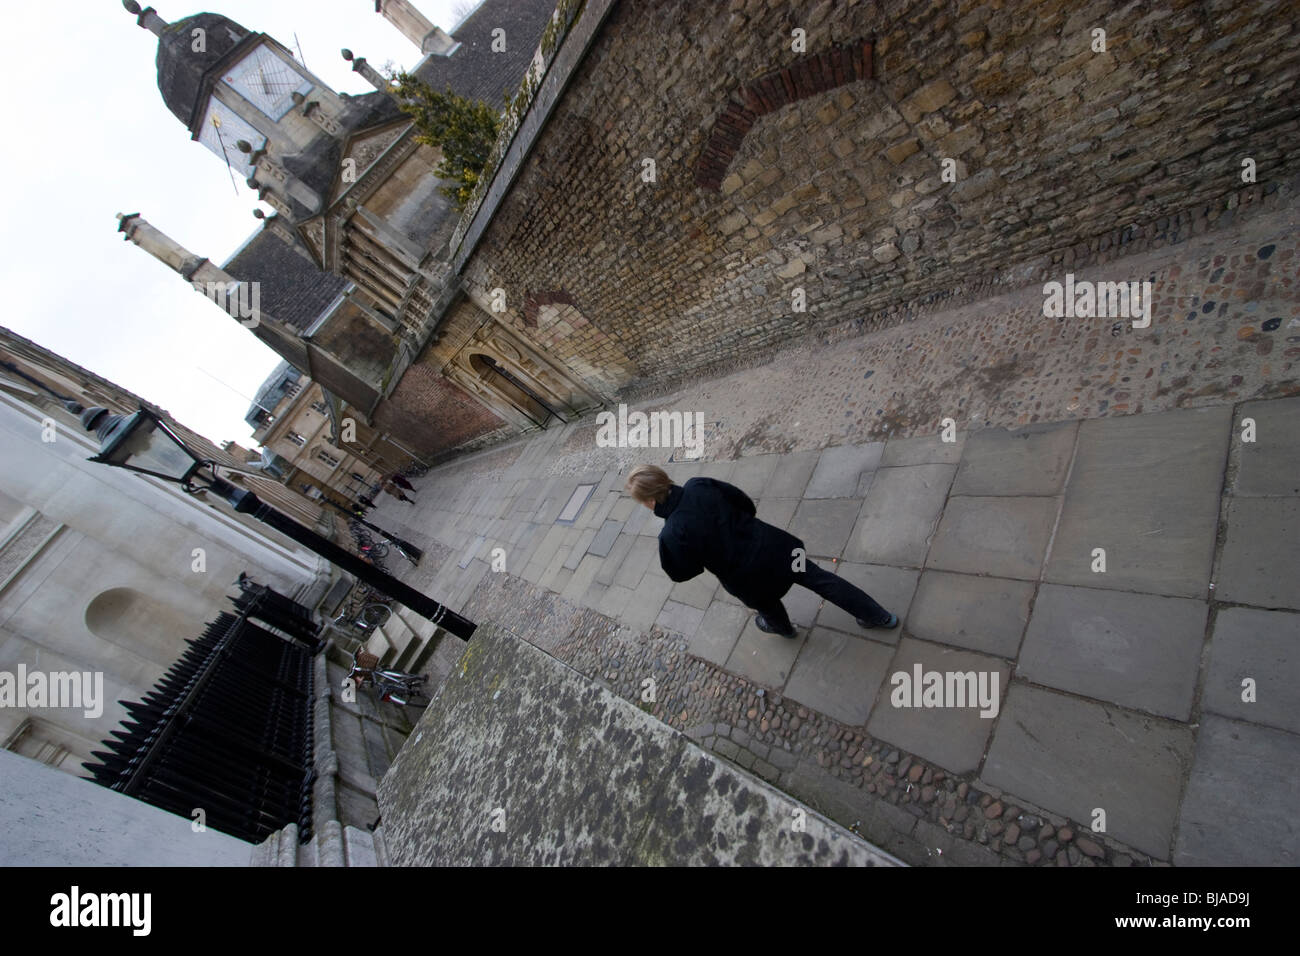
(710, 525)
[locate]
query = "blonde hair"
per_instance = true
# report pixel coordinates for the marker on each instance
(648, 483)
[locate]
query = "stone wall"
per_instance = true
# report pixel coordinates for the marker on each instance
(523, 761)
(429, 414)
(772, 175)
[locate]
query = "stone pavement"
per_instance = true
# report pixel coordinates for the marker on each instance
(1126, 579)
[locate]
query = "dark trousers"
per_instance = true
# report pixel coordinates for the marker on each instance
(843, 594)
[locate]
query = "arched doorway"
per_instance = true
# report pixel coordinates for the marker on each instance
(539, 409)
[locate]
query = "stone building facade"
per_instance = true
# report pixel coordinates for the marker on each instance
(352, 267)
(690, 187)
(102, 570)
(294, 422)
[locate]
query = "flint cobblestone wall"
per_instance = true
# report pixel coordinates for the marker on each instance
(1062, 155)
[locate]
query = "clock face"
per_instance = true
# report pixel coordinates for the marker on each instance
(267, 81)
(222, 129)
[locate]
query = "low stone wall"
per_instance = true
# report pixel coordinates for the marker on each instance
(521, 760)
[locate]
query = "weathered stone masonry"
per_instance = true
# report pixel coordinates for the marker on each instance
(839, 191)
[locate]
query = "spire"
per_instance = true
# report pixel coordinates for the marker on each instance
(368, 72)
(415, 26)
(158, 244)
(147, 18)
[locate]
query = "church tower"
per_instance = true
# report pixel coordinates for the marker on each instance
(248, 100)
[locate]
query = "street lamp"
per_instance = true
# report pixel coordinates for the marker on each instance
(144, 443)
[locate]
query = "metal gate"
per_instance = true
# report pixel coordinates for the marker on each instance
(228, 729)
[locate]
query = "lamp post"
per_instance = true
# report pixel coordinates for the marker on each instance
(142, 442)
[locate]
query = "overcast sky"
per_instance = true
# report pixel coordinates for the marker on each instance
(89, 137)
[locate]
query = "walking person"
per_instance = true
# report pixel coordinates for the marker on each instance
(399, 479)
(710, 525)
(396, 492)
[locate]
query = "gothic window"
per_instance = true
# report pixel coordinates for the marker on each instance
(320, 407)
(296, 439)
(328, 459)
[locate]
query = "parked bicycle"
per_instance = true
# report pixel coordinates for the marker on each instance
(366, 617)
(397, 687)
(413, 469)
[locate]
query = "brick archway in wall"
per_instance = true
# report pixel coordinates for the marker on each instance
(807, 76)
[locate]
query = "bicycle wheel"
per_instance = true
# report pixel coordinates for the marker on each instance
(376, 615)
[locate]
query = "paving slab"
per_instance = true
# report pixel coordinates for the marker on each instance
(651, 526)
(802, 605)
(472, 551)
(824, 524)
(892, 588)
(1240, 804)
(646, 602)
(639, 516)
(1138, 650)
(839, 675)
(1264, 647)
(899, 515)
(1146, 489)
(680, 618)
(617, 552)
(716, 636)
(791, 475)
(922, 450)
(697, 592)
(603, 540)
(764, 658)
(1270, 465)
(1070, 755)
(977, 613)
(776, 511)
(550, 543)
(1033, 460)
(751, 474)
(579, 548)
(952, 736)
(683, 471)
(642, 553)
(593, 596)
(1003, 537)
(614, 601)
(842, 471)
(1261, 553)
(583, 577)
(718, 470)
(624, 507)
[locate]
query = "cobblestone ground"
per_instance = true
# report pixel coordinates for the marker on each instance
(1226, 328)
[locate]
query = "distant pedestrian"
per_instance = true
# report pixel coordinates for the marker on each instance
(712, 526)
(398, 479)
(396, 492)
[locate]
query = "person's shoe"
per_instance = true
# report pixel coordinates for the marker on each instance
(762, 625)
(886, 625)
